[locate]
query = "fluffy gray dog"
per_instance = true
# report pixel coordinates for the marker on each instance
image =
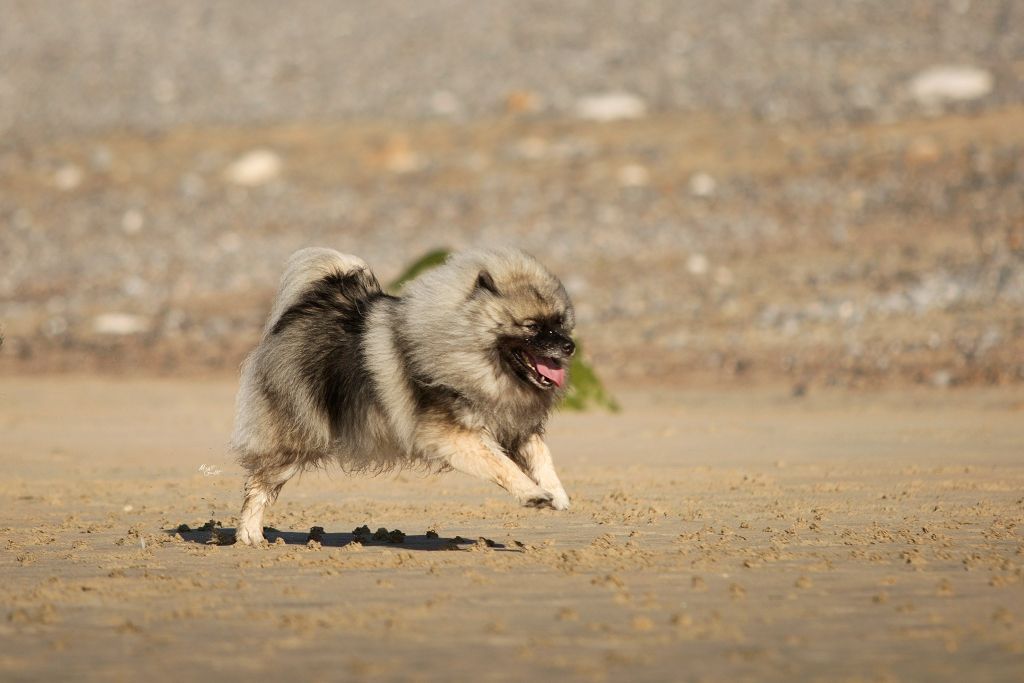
(459, 372)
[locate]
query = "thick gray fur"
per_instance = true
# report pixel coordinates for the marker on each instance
(348, 373)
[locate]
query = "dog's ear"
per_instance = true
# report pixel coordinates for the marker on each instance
(486, 282)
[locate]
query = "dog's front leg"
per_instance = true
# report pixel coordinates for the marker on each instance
(480, 456)
(536, 456)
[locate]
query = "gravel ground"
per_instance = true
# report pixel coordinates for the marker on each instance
(826, 193)
(89, 65)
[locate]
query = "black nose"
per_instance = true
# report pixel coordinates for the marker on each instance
(568, 347)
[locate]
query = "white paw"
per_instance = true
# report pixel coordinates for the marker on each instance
(249, 536)
(560, 500)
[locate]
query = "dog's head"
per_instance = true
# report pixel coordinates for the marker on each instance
(509, 323)
(534, 322)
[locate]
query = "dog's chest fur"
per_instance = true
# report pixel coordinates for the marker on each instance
(510, 424)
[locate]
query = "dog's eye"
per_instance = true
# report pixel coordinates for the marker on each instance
(531, 326)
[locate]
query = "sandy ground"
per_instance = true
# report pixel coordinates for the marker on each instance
(714, 536)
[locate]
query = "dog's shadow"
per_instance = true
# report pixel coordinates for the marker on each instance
(216, 535)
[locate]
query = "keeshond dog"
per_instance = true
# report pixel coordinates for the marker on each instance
(459, 372)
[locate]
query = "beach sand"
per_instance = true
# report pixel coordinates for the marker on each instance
(722, 535)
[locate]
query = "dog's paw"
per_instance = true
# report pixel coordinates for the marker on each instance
(560, 500)
(246, 536)
(540, 499)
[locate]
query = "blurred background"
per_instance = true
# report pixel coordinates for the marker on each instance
(797, 191)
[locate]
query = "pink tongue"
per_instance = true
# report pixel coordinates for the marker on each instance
(553, 373)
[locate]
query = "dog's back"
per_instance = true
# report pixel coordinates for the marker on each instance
(305, 383)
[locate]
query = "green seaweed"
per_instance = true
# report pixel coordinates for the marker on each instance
(422, 264)
(585, 388)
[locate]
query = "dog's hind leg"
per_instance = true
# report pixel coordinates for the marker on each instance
(479, 456)
(261, 489)
(536, 456)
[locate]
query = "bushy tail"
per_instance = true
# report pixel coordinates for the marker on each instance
(304, 268)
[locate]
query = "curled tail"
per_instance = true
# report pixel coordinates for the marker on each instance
(316, 279)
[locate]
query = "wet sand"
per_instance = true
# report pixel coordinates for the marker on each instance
(740, 535)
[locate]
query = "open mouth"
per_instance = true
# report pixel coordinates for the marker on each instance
(545, 373)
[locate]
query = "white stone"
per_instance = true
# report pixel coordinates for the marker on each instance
(611, 106)
(119, 323)
(942, 379)
(939, 84)
(68, 177)
(697, 264)
(702, 185)
(132, 222)
(634, 175)
(258, 167)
